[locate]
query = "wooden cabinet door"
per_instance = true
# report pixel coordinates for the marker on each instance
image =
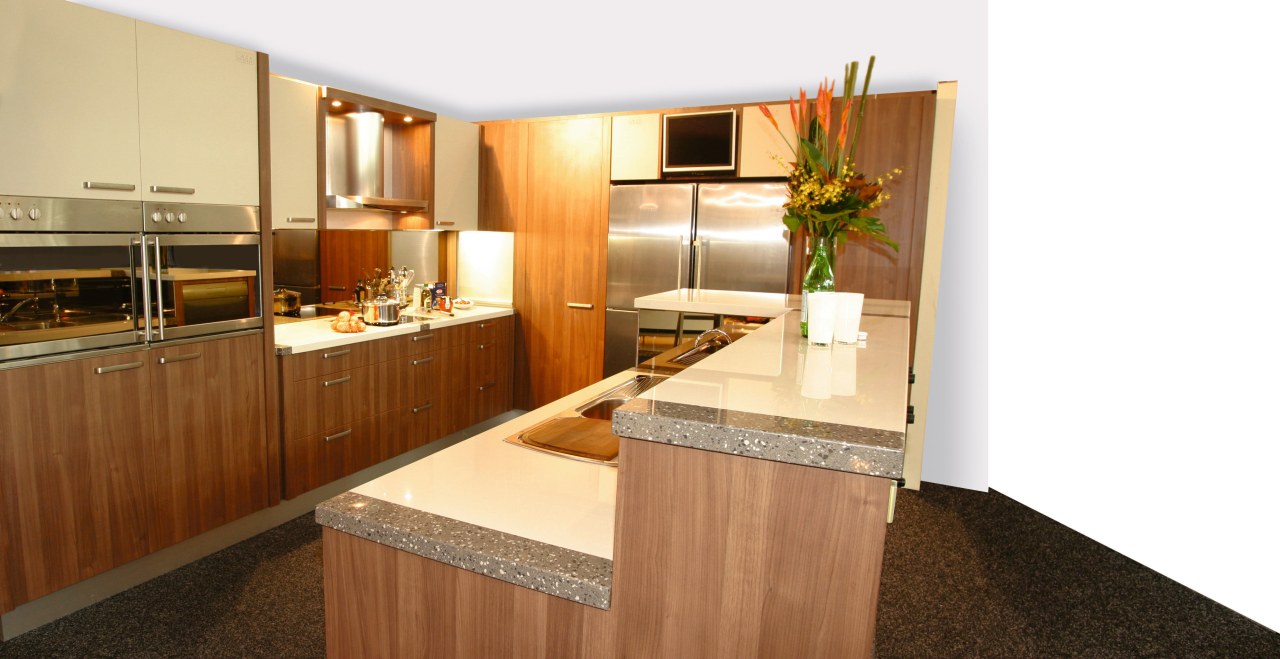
(69, 80)
(198, 118)
(294, 189)
(457, 171)
(74, 475)
(503, 167)
(561, 297)
(208, 449)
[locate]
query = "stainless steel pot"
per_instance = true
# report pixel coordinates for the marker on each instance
(286, 302)
(380, 311)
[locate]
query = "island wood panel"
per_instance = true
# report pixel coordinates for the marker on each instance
(346, 256)
(208, 452)
(383, 602)
(75, 481)
(897, 132)
(717, 555)
(503, 167)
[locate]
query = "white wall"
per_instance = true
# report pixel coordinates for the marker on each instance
(1134, 278)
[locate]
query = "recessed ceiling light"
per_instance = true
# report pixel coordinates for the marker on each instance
(336, 104)
(408, 119)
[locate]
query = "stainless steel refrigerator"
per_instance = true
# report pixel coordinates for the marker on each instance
(665, 236)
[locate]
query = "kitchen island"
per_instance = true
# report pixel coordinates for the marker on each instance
(747, 518)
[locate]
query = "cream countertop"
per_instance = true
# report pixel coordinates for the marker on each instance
(750, 303)
(315, 334)
(495, 485)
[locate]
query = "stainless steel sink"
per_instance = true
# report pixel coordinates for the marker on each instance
(585, 432)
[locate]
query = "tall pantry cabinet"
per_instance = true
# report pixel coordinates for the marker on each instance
(548, 180)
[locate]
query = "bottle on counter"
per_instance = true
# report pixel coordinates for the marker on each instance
(360, 294)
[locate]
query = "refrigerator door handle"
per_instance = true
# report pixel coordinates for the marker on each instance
(698, 259)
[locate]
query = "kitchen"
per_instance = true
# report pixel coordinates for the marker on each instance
(540, 131)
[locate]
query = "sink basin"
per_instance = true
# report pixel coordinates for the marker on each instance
(585, 432)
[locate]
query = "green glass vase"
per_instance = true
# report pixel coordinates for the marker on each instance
(820, 275)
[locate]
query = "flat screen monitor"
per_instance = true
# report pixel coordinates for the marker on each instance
(700, 142)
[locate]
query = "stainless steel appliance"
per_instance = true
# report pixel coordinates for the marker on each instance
(665, 236)
(295, 255)
(84, 274)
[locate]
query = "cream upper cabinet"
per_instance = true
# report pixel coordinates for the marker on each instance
(457, 168)
(635, 155)
(198, 117)
(68, 102)
(294, 186)
(761, 142)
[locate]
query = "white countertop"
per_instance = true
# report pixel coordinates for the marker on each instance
(774, 371)
(317, 334)
(490, 483)
(732, 303)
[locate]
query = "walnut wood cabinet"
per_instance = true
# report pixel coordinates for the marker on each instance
(111, 458)
(549, 180)
(351, 407)
(346, 256)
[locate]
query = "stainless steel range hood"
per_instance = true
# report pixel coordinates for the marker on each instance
(358, 165)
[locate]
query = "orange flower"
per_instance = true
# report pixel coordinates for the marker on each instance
(869, 192)
(769, 115)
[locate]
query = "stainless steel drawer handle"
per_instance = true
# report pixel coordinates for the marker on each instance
(337, 288)
(344, 433)
(421, 407)
(581, 305)
(336, 353)
(98, 185)
(488, 386)
(424, 360)
(338, 381)
(444, 223)
(169, 189)
(424, 337)
(308, 220)
(179, 358)
(118, 367)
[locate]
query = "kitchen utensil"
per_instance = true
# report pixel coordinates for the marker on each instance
(381, 311)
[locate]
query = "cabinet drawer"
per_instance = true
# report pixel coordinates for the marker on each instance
(432, 340)
(488, 363)
(324, 457)
(324, 362)
(326, 402)
(492, 330)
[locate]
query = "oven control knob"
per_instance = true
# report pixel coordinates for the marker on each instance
(182, 217)
(15, 213)
(34, 214)
(168, 217)
(155, 216)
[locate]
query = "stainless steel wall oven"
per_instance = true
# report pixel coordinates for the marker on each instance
(86, 274)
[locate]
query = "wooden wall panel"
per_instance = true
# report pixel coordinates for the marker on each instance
(346, 256)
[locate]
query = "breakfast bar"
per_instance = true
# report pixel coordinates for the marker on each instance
(745, 517)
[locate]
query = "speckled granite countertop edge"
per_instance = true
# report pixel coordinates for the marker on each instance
(549, 569)
(833, 446)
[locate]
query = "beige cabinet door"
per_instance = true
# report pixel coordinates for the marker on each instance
(294, 187)
(198, 112)
(457, 168)
(68, 102)
(761, 142)
(635, 155)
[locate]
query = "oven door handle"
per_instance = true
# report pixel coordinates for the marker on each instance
(142, 276)
(159, 294)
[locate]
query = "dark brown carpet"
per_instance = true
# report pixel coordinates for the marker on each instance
(966, 574)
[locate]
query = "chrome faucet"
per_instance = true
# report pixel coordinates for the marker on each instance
(21, 303)
(715, 330)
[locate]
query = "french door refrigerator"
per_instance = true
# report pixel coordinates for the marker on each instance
(666, 236)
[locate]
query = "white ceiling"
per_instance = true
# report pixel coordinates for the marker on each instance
(495, 60)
